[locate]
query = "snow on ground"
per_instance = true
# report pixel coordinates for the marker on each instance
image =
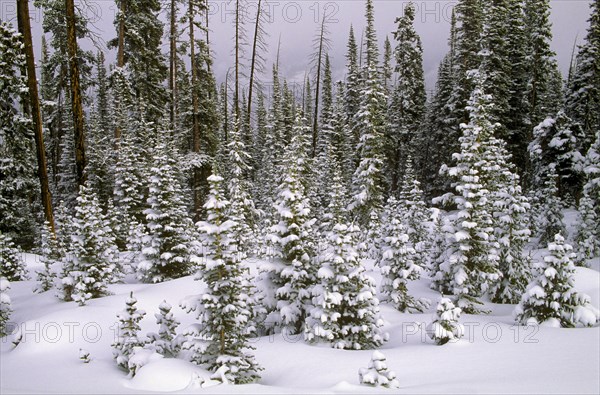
(494, 357)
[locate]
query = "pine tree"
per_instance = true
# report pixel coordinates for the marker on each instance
(445, 327)
(473, 262)
(377, 373)
(399, 263)
(407, 106)
(591, 169)
(346, 311)
(92, 257)
(293, 233)
(12, 266)
(551, 222)
(17, 171)
(5, 306)
(51, 255)
(368, 180)
(166, 250)
(550, 298)
(166, 341)
(127, 336)
(511, 209)
(588, 234)
(225, 311)
(352, 98)
(582, 101)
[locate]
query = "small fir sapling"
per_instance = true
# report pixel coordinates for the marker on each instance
(377, 374)
(5, 304)
(446, 327)
(129, 327)
(550, 298)
(166, 342)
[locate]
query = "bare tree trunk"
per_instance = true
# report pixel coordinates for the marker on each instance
(253, 62)
(317, 90)
(173, 64)
(236, 95)
(23, 17)
(76, 102)
(195, 105)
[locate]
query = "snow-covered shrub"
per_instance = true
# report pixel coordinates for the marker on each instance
(399, 262)
(550, 297)
(12, 266)
(166, 341)
(446, 327)
(127, 337)
(377, 374)
(139, 357)
(5, 302)
(588, 235)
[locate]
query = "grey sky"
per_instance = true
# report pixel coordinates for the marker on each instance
(297, 22)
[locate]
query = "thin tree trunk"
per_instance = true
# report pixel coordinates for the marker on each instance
(317, 89)
(207, 34)
(76, 102)
(195, 126)
(23, 15)
(253, 62)
(236, 98)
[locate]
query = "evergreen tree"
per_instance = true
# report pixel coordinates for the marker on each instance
(346, 311)
(225, 311)
(127, 336)
(166, 251)
(293, 233)
(473, 263)
(445, 327)
(591, 169)
(166, 341)
(399, 263)
(551, 222)
(18, 184)
(407, 106)
(5, 308)
(50, 255)
(377, 373)
(582, 102)
(92, 257)
(12, 266)
(550, 298)
(511, 209)
(588, 234)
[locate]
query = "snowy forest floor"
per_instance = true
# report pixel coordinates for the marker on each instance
(495, 356)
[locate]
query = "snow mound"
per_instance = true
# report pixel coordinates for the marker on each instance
(167, 375)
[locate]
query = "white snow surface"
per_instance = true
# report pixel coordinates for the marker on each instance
(494, 356)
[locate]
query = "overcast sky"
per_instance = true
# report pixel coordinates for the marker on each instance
(297, 22)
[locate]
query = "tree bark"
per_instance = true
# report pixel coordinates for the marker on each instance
(195, 126)
(173, 64)
(317, 89)
(23, 17)
(76, 102)
(253, 62)
(120, 57)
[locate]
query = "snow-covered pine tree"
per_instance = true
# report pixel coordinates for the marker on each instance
(166, 248)
(582, 101)
(407, 106)
(437, 252)
(294, 237)
(12, 266)
(351, 100)
(446, 327)
(511, 209)
(91, 261)
(19, 188)
(415, 213)
(5, 303)
(346, 310)
(550, 297)
(166, 341)
(225, 310)
(399, 261)
(550, 220)
(50, 255)
(473, 263)
(368, 180)
(241, 210)
(127, 335)
(377, 373)
(592, 173)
